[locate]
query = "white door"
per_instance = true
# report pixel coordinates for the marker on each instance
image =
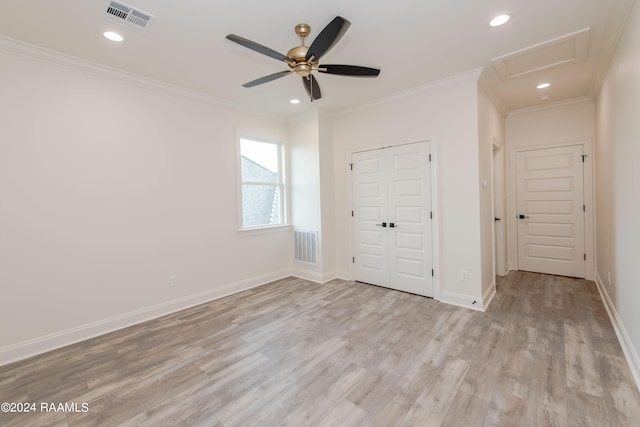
(550, 203)
(392, 202)
(370, 217)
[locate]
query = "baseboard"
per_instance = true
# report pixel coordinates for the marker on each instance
(344, 275)
(488, 295)
(314, 276)
(628, 349)
(461, 300)
(60, 339)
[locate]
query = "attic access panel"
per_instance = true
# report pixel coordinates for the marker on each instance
(563, 50)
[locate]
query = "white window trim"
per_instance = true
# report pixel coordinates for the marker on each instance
(284, 225)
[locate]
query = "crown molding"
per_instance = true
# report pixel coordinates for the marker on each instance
(53, 57)
(617, 25)
(447, 81)
(578, 100)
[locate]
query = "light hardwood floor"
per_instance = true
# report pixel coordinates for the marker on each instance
(345, 354)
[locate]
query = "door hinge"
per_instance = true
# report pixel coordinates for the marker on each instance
(431, 215)
(353, 260)
(432, 273)
(351, 213)
(351, 166)
(584, 208)
(584, 156)
(429, 156)
(585, 257)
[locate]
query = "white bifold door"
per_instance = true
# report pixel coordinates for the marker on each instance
(392, 218)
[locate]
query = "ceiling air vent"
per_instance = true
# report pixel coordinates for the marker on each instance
(123, 13)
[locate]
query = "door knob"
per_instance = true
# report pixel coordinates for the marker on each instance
(496, 219)
(522, 216)
(392, 225)
(384, 224)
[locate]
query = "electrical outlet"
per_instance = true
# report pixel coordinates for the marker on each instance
(173, 281)
(464, 275)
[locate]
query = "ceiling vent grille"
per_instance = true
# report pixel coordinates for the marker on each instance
(123, 13)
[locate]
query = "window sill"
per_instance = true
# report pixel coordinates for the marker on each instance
(264, 230)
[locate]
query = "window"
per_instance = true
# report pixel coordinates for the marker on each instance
(262, 183)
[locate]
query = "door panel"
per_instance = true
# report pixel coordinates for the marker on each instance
(392, 188)
(369, 210)
(410, 203)
(550, 196)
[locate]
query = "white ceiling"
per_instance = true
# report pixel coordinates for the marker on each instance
(413, 42)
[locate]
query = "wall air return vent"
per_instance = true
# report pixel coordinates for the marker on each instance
(305, 246)
(125, 14)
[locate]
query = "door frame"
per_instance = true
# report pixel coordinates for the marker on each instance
(435, 261)
(589, 217)
(498, 197)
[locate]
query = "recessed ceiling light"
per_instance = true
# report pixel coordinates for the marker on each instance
(543, 85)
(295, 101)
(499, 20)
(113, 36)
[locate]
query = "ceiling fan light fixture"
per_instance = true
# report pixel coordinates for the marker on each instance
(499, 20)
(113, 36)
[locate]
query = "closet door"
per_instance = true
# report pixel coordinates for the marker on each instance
(370, 211)
(409, 206)
(391, 199)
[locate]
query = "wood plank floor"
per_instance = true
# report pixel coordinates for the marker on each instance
(346, 354)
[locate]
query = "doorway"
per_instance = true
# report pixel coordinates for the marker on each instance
(392, 218)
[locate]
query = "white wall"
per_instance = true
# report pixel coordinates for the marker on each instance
(561, 123)
(305, 184)
(491, 123)
(108, 187)
(447, 114)
(327, 195)
(553, 124)
(311, 161)
(617, 189)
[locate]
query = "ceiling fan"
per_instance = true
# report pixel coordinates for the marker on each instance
(303, 60)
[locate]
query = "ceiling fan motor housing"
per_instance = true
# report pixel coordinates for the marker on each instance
(301, 66)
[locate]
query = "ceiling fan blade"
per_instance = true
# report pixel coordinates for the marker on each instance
(312, 87)
(328, 37)
(268, 78)
(258, 48)
(349, 70)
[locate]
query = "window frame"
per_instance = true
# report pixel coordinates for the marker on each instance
(280, 184)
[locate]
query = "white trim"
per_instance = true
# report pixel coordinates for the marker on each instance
(564, 102)
(461, 300)
(435, 221)
(313, 276)
(630, 352)
(282, 181)
(56, 340)
(344, 275)
(488, 295)
(469, 75)
(588, 189)
(38, 53)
